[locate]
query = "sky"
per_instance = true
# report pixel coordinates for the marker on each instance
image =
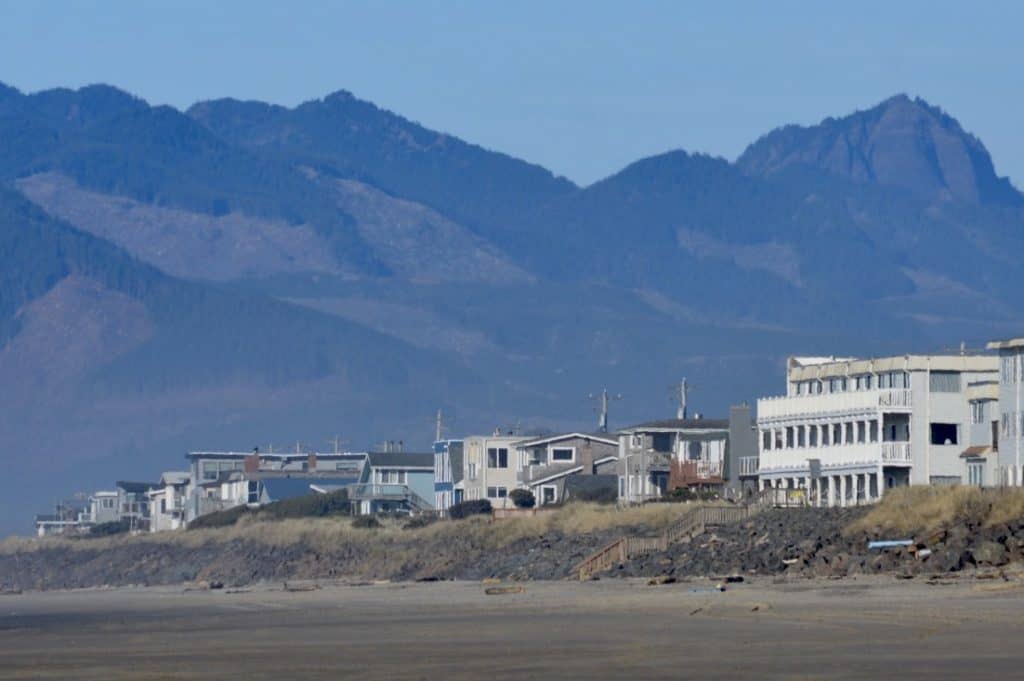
(583, 88)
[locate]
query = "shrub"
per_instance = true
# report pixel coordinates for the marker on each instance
(689, 494)
(598, 495)
(366, 522)
(308, 506)
(470, 508)
(522, 498)
(113, 527)
(418, 521)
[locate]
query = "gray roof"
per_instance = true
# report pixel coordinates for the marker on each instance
(567, 435)
(398, 459)
(681, 424)
(589, 483)
(136, 487)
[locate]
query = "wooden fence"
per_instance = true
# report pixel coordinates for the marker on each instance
(693, 521)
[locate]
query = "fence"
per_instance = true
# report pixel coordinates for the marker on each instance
(693, 521)
(506, 513)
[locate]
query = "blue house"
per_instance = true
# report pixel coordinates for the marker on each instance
(394, 482)
(447, 472)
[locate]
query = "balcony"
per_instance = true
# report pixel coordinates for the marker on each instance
(686, 473)
(837, 456)
(749, 466)
(896, 452)
(858, 401)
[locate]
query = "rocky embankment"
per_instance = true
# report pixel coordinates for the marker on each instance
(812, 543)
(406, 557)
(791, 543)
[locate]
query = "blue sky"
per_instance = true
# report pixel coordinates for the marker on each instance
(583, 88)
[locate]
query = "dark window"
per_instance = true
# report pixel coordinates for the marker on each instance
(944, 433)
(562, 454)
(497, 457)
(662, 442)
(995, 436)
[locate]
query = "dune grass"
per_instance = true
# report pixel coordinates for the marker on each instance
(922, 509)
(573, 519)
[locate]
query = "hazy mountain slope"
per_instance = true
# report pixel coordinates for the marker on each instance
(354, 139)
(901, 142)
(107, 358)
(158, 155)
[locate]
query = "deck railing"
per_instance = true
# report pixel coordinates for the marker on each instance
(896, 452)
(693, 521)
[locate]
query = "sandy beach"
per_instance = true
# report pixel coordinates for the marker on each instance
(820, 629)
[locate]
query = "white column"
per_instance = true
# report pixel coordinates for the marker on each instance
(760, 484)
(842, 490)
(880, 487)
(831, 490)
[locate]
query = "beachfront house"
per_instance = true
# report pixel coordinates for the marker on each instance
(167, 501)
(394, 482)
(847, 429)
(545, 464)
(489, 469)
(448, 472)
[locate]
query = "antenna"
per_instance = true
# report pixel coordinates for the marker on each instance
(604, 397)
(441, 424)
(679, 394)
(337, 442)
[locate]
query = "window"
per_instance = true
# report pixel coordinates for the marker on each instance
(662, 442)
(766, 440)
(873, 430)
(563, 454)
(107, 503)
(944, 381)
(976, 474)
(850, 427)
(253, 492)
(497, 457)
(837, 384)
(944, 433)
(548, 493)
(898, 379)
(497, 492)
(637, 441)
(883, 380)
(790, 440)
(812, 436)
(977, 412)
(862, 432)
(801, 436)
(471, 472)
(837, 433)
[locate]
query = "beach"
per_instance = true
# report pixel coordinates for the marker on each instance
(869, 627)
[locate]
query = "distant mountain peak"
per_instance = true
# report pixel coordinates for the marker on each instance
(902, 142)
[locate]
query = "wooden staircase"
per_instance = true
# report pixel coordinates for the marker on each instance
(692, 522)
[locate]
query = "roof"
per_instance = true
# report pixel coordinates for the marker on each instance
(135, 487)
(1008, 344)
(976, 452)
(597, 437)
(589, 483)
(401, 460)
(554, 472)
(174, 477)
(680, 424)
(798, 370)
(291, 487)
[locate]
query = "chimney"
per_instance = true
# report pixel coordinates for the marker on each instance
(587, 458)
(252, 463)
(311, 463)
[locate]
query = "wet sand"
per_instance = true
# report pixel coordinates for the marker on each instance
(611, 629)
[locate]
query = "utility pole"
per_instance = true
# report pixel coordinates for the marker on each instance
(681, 409)
(604, 398)
(336, 442)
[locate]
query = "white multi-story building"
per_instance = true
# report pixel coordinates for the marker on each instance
(849, 428)
(490, 467)
(1010, 442)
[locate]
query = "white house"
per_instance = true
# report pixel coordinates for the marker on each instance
(490, 469)
(848, 428)
(167, 501)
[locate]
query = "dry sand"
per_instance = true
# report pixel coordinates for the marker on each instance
(612, 629)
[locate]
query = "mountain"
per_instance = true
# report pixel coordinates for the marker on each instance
(901, 142)
(350, 138)
(244, 273)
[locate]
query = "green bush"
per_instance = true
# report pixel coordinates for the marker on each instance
(113, 527)
(470, 508)
(309, 506)
(599, 495)
(689, 494)
(522, 498)
(367, 522)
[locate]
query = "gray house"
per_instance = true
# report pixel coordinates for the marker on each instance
(547, 464)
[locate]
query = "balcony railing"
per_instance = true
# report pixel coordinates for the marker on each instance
(851, 401)
(749, 465)
(896, 452)
(684, 473)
